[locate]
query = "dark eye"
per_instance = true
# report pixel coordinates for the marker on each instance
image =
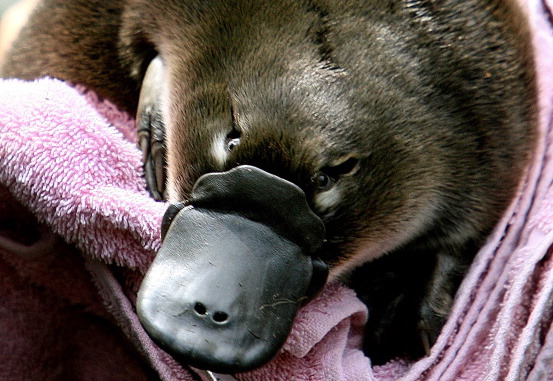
(330, 174)
(322, 181)
(233, 143)
(233, 137)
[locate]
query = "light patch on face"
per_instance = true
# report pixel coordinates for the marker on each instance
(219, 150)
(328, 199)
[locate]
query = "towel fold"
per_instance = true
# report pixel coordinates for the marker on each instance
(78, 230)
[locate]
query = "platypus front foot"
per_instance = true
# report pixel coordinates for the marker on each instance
(438, 299)
(151, 129)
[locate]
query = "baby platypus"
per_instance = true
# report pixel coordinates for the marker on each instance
(405, 124)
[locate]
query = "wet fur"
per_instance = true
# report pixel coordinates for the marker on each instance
(435, 99)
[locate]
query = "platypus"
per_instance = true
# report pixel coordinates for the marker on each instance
(398, 131)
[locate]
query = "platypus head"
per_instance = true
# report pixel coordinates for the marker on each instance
(273, 131)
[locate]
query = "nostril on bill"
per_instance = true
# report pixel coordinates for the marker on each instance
(200, 309)
(220, 317)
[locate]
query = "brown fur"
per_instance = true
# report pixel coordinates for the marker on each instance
(434, 100)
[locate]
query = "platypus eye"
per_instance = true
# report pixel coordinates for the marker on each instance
(322, 181)
(233, 143)
(233, 138)
(330, 174)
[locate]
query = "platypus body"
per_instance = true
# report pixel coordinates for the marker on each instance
(407, 125)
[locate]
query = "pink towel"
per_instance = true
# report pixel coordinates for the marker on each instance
(67, 305)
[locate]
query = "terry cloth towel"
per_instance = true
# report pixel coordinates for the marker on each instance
(77, 231)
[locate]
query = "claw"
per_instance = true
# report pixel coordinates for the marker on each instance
(151, 181)
(144, 144)
(159, 169)
(151, 130)
(425, 341)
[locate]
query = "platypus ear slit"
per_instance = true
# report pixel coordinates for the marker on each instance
(345, 166)
(349, 166)
(235, 133)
